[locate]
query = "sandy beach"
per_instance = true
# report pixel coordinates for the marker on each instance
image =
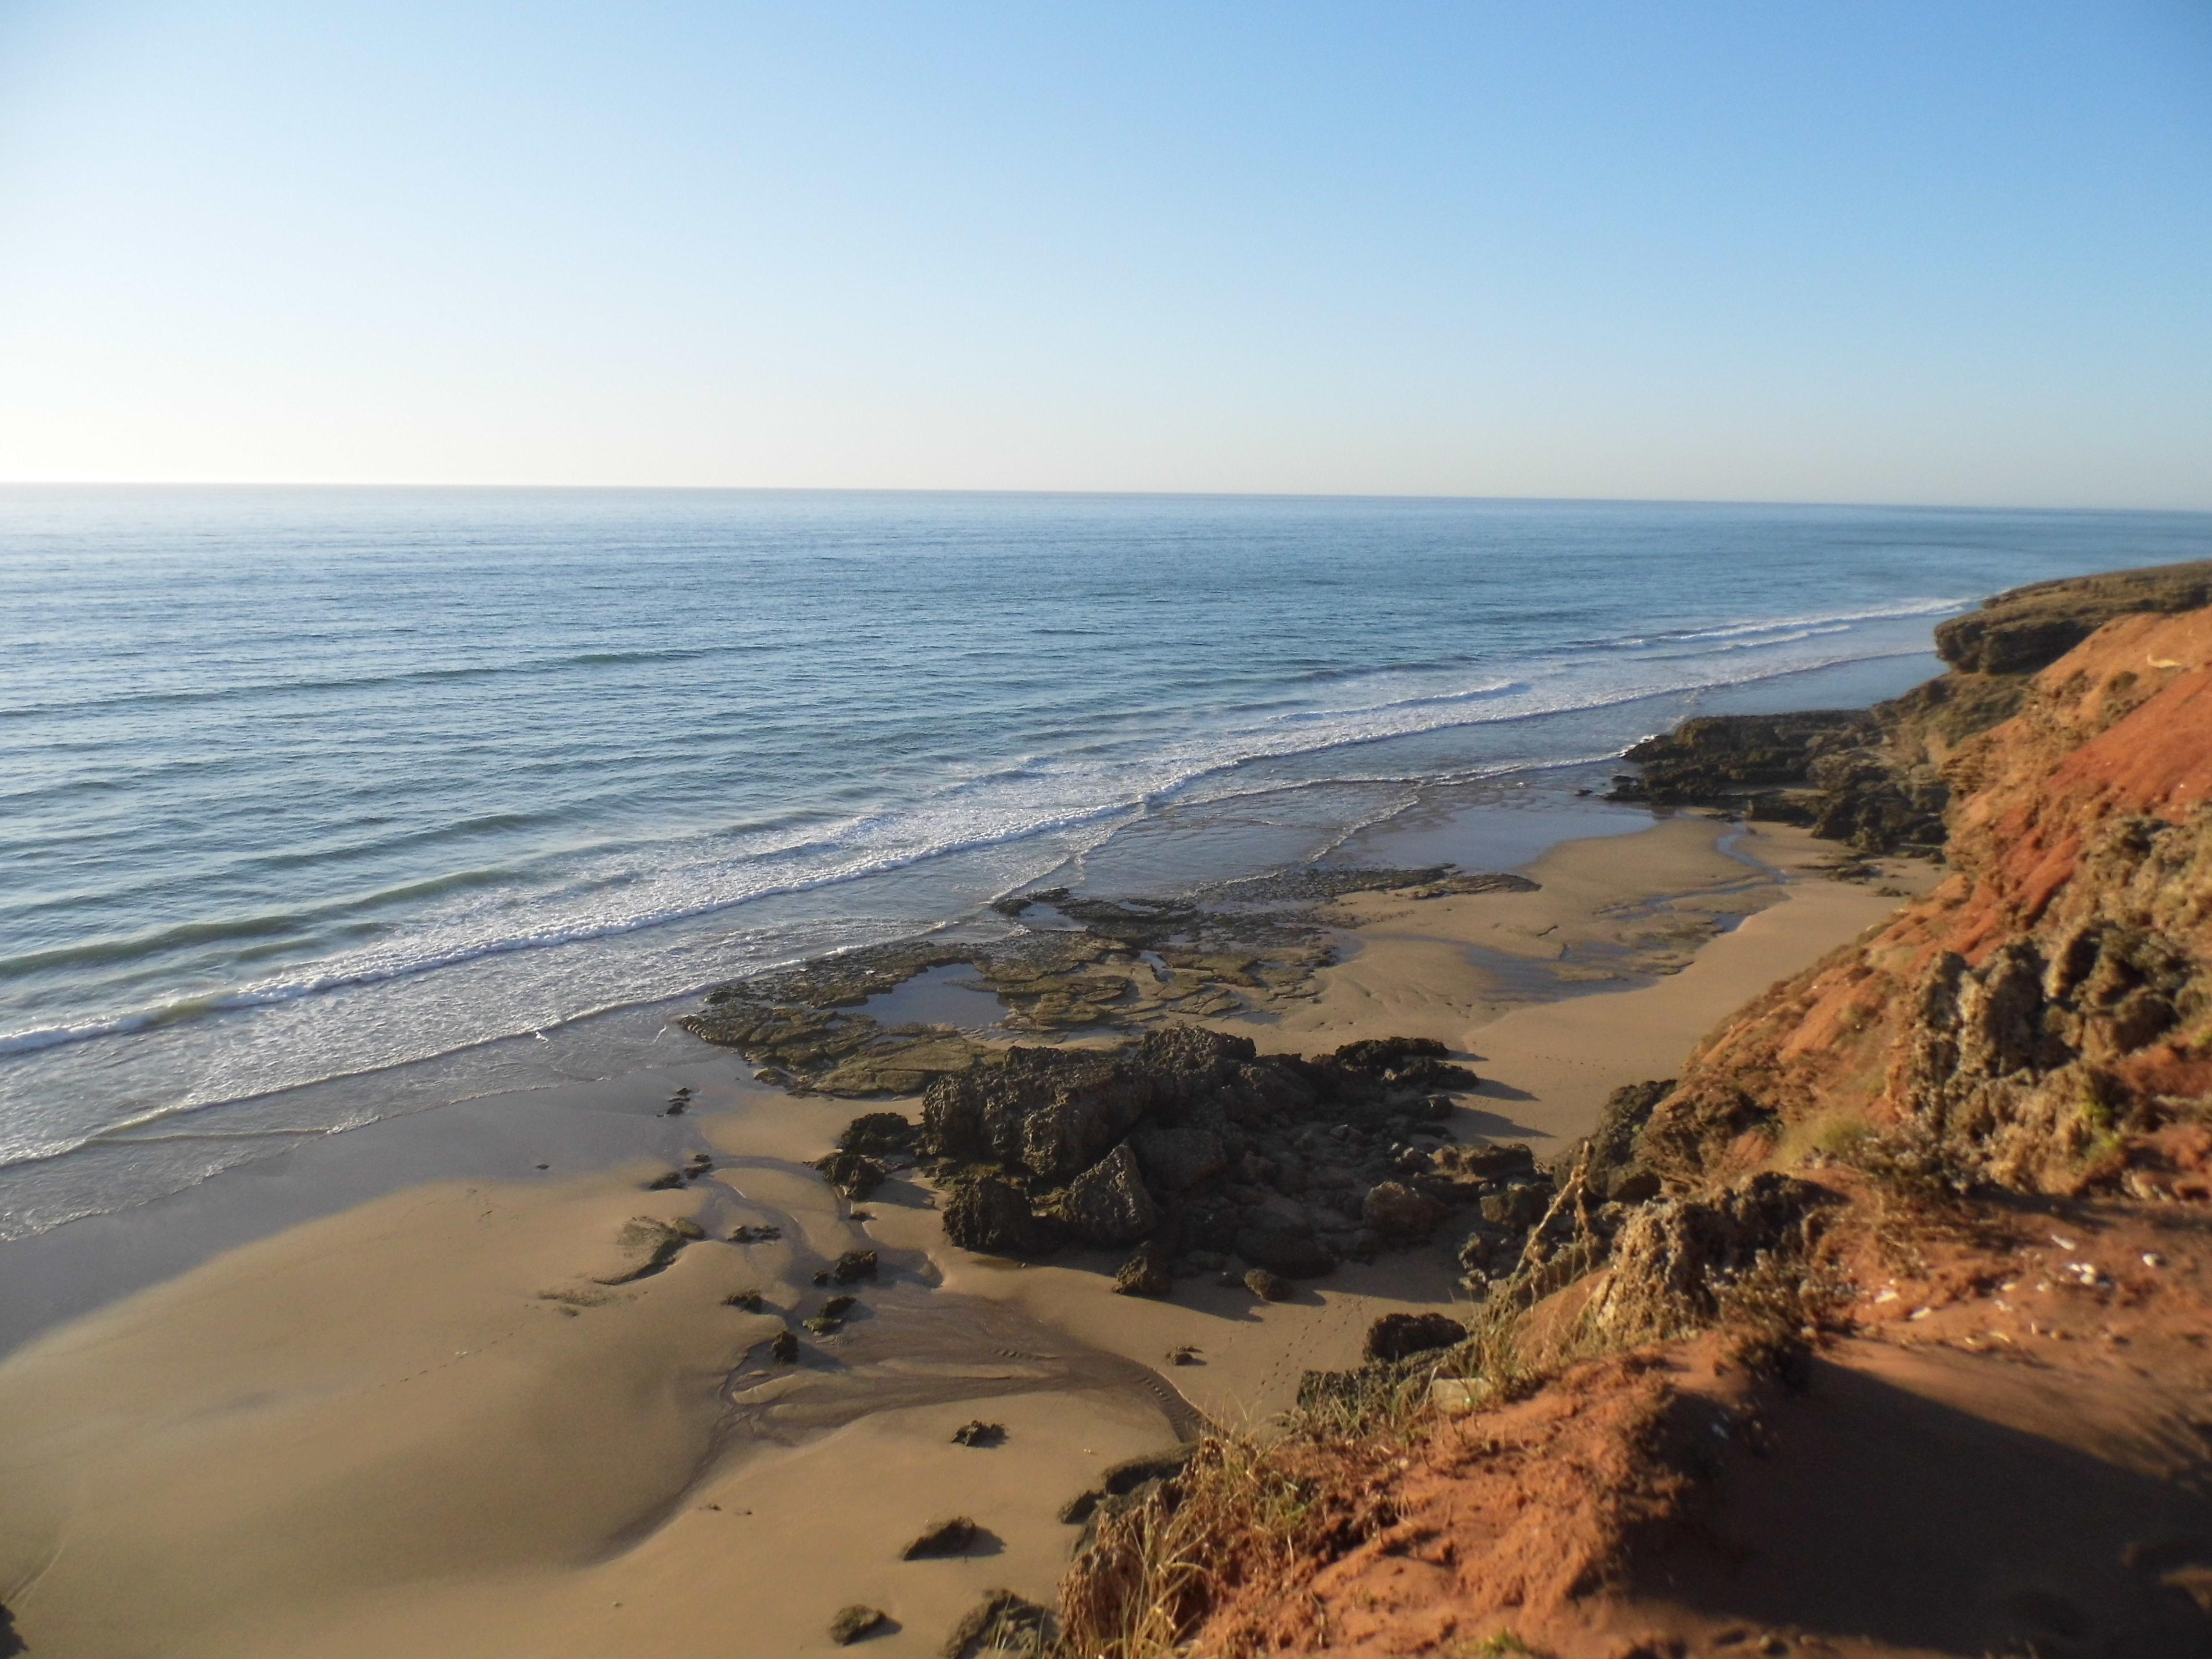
(484, 1417)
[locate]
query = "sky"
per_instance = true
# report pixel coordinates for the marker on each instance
(1940, 252)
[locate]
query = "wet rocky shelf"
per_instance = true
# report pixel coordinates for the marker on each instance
(1072, 964)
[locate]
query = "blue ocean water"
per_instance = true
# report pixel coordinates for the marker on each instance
(301, 784)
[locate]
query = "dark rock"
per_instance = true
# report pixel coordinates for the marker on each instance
(1403, 1063)
(941, 1538)
(1185, 1355)
(1053, 1112)
(784, 1350)
(1269, 1287)
(1397, 1212)
(878, 1135)
(1131, 1473)
(1284, 1246)
(1517, 1207)
(855, 1622)
(1395, 1336)
(824, 1324)
(1077, 1509)
(1174, 1159)
(838, 1306)
(1722, 758)
(1002, 1623)
(755, 1235)
(993, 1217)
(1109, 1204)
(854, 1173)
(665, 1183)
(1191, 1062)
(977, 1432)
(1614, 1174)
(749, 1301)
(1491, 1162)
(1145, 1273)
(853, 1266)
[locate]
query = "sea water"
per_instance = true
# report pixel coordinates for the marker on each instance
(299, 785)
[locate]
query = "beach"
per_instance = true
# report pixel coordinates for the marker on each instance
(493, 1414)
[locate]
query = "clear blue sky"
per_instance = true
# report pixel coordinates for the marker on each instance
(1917, 251)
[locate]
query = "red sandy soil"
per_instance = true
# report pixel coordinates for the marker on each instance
(2001, 1441)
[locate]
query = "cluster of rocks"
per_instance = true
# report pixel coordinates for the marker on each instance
(1074, 963)
(1191, 1144)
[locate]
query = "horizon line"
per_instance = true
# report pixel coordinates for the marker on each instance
(1184, 494)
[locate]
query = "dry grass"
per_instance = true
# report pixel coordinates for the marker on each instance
(1152, 1570)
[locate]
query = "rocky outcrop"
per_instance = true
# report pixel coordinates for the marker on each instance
(1674, 1261)
(1052, 1112)
(1195, 1141)
(1880, 780)
(2030, 628)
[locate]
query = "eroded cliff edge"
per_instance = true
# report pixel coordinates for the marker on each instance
(1884, 1329)
(1878, 778)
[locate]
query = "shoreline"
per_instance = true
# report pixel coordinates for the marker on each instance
(560, 1492)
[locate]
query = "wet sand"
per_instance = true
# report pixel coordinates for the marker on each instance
(426, 1422)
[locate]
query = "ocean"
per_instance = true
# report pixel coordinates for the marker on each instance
(321, 804)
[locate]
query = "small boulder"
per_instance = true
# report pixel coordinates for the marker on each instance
(749, 1301)
(1269, 1287)
(784, 1350)
(941, 1538)
(977, 1432)
(853, 1266)
(1397, 1212)
(1002, 1623)
(1517, 1208)
(854, 1173)
(853, 1623)
(1145, 1273)
(1283, 1247)
(1398, 1336)
(1131, 1473)
(878, 1135)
